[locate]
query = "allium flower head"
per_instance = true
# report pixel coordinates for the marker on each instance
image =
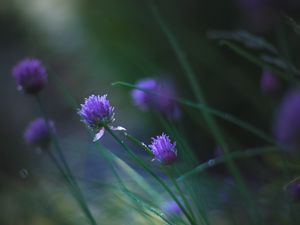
(97, 113)
(30, 76)
(287, 120)
(269, 83)
(160, 97)
(163, 149)
(293, 190)
(37, 133)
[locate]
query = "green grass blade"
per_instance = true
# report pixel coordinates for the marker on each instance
(233, 155)
(146, 206)
(157, 178)
(203, 107)
(65, 169)
(257, 61)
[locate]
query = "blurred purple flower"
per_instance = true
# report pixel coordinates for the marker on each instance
(97, 113)
(269, 83)
(287, 120)
(164, 151)
(218, 152)
(226, 190)
(293, 191)
(171, 208)
(265, 14)
(30, 76)
(161, 99)
(37, 133)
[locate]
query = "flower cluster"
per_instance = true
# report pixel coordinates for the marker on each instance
(158, 95)
(96, 111)
(37, 133)
(163, 149)
(30, 76)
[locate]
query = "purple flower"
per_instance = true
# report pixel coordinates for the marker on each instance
(97, 113)
(30, 75)
(160, 97)
(163, 150)
(37, 133)
(171, 208)
(269, 83)
(293, 191)
(287, 120)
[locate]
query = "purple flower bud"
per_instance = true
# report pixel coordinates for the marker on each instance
(164, 151)
(171, 208)
(37, 133)
(96, 112)
(293, 191)
(30, 76)
(161, 99)
(287, 120)
(269, 84)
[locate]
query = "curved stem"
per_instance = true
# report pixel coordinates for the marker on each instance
(65, 169)
(182, 195)
(158, 179)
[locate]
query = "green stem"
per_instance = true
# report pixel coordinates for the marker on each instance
(158, 179)
(182, 195)
(213, 126)
(137, 142)
(203, 107)
(65, 170)
(234, 155)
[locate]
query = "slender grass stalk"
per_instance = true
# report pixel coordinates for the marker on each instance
(214, 128)
(65, 168)
(108, 155)
(67, 179)
(157, 178)
(169, 173)
(285, 49)
(173, 131)
(137, 142)
(145, 205)
(258, 62)
(190, 160)
(233, 155)
(143, 146)
(220, 114)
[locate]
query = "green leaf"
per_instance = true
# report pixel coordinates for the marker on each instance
(249, 40)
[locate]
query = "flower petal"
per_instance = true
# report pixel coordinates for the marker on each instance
(118, 128)
(99, 134)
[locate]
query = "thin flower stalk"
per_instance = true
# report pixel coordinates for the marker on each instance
(158, 179)
(65, 170)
